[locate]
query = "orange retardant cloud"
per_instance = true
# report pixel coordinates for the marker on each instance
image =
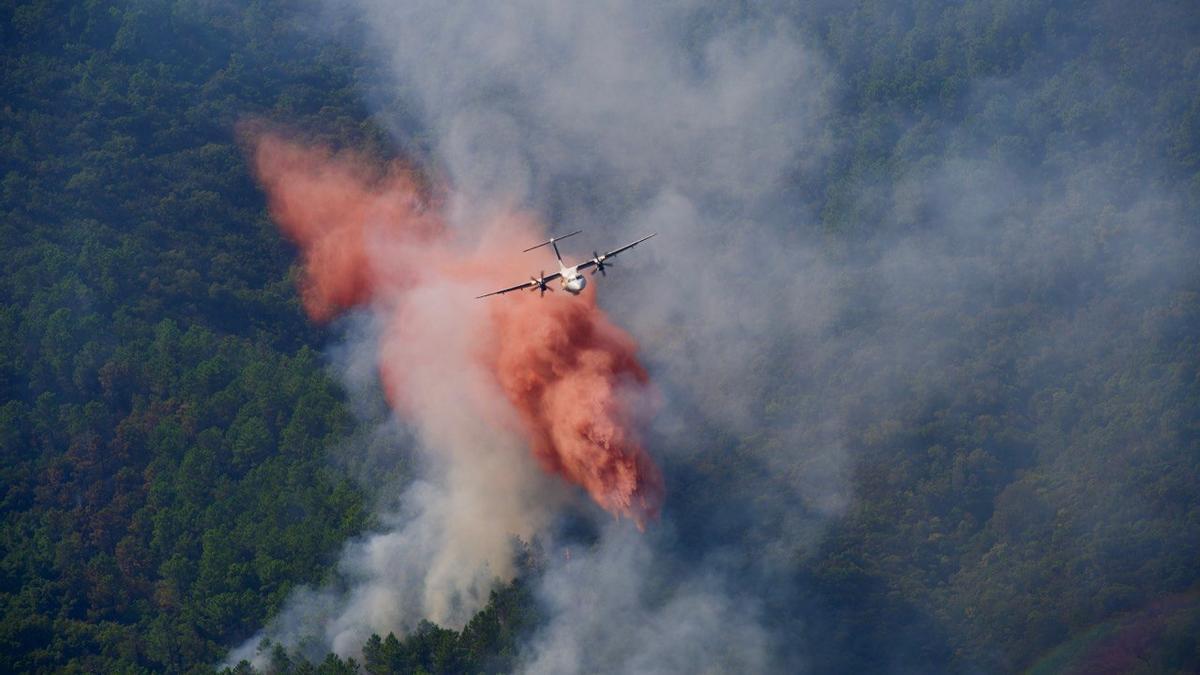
(329, 205)
(369, 235)
(575, 379)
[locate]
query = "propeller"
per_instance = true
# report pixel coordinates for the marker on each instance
(540, 280)
(600, 264)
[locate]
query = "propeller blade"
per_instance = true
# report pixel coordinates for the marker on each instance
(600, 264)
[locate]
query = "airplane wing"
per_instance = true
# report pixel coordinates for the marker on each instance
(532, 283)
(606, 256)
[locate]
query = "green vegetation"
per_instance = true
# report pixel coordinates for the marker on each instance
(165, 421)
(487, 644)
(1027, 460)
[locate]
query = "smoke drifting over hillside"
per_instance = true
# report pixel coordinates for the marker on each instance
(479, 382)
(959, 291)
(624, 120)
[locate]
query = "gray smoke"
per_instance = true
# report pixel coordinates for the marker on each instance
(616, 608)
(445, 538)
(782, 350)
(622, 119)
(648, 114)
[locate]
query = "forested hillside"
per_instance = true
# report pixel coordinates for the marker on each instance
(1023, 486)
(165, 418)
(1049, 484)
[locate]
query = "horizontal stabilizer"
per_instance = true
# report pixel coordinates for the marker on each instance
(551, 240)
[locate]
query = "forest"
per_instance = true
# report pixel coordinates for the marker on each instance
(1026, 482)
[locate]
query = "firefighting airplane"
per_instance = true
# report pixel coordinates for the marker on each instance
(571, 280)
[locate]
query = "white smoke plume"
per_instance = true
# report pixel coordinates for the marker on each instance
(452, 533)
(695, 122)
(521, 99)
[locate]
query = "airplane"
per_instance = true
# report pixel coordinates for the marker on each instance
(571, 280)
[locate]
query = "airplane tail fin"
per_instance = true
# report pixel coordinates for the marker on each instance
(552, 243)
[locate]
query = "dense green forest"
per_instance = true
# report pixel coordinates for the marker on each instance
(165, 418)
(168, 420)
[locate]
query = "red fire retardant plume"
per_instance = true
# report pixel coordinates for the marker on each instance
(370, 235)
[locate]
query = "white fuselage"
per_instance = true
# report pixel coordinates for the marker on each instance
(572, 281)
